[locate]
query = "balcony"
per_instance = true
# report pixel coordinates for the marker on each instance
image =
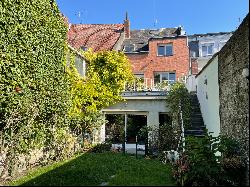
(146, 87)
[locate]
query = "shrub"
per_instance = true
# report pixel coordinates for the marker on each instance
(200, 165)
(100, 148)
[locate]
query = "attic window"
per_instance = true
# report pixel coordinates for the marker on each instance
(207, 49)
(84, 48)
(129, 48)
(165, 49)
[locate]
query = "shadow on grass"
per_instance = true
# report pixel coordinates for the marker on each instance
(94, 168)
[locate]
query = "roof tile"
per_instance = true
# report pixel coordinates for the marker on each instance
(99, 37)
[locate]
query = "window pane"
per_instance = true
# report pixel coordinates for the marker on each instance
(169, 49)
(79, 65)
(172, 78)
(140, 76)
(157, 78)
(210, 50)
(161, 50)
(129, 48)
(204, 50)
(164, 76)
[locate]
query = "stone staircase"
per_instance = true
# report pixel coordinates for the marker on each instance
(197, 127)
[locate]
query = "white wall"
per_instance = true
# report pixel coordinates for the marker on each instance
(191, 83)
(208, 96)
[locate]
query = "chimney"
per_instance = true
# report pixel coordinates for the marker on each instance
(127, 26)
(181, 31)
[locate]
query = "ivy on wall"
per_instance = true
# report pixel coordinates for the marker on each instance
(106, 74)
(34, 89)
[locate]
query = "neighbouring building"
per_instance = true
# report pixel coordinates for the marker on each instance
(157, 55)
(201, 48)
(99, 37)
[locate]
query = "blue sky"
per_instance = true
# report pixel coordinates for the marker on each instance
(197, 16)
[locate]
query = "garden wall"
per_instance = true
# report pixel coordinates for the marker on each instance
(234, 87)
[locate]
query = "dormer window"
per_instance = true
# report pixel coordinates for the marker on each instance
(165, 49)
(84, 48)
(207, 49)
(129, 48)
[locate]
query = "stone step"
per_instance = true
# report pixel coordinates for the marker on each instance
(197, 119)
(201, 135)
(196, 116)
(194, 100)
(194, 132)
(202, 127)
(197, 123)
(195, 105)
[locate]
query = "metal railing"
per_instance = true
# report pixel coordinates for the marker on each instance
(181, 143)
(147, 84)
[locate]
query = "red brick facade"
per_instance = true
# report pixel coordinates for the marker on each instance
(194, 66)
(148, 63)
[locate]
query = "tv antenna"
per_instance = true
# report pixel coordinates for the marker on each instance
(79, 15)
(155, 20)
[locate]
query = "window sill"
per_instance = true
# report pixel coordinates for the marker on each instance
(164, 55)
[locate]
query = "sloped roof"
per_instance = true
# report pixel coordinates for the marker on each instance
(139, 38)
(209, 34)
(99, 37)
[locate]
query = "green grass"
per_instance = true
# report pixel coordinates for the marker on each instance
(94, 168)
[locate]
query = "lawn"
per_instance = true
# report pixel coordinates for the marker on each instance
(112, 169)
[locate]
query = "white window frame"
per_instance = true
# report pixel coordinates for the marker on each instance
(129, 45)
(206, 44)
(168, 72)
(165, 45)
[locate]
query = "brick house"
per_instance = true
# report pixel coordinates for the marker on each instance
(157, 54)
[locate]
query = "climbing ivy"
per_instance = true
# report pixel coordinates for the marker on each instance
(34, 88)
(106, 75)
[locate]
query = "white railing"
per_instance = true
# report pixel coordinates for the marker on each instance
(147, 85)
(181, 143)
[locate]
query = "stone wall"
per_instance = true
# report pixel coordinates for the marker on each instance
(234, 87)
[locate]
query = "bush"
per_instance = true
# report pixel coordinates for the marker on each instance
(199, 165)
(100, 148)
(167, 138)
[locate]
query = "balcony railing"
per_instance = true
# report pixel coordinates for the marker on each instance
(146, 84)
